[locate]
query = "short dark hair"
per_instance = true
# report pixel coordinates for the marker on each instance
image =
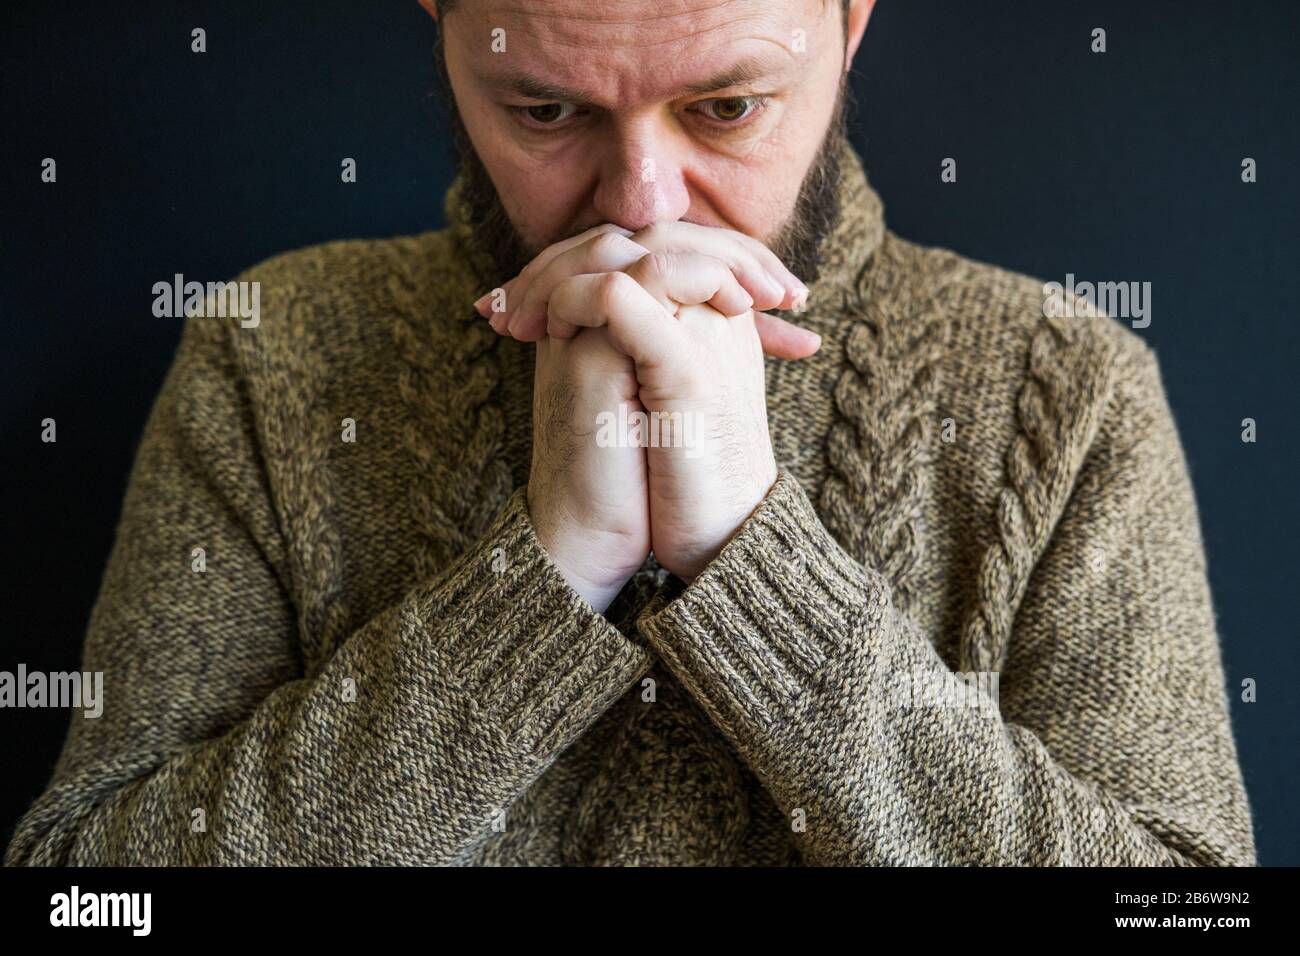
(446, 6)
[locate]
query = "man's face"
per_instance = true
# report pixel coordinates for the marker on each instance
(632, 112)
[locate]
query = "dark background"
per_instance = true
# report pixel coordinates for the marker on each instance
(1121, 166)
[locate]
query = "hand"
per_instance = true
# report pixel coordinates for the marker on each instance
(588, 503)
(700, 377)
(748, 275)
(702, 493)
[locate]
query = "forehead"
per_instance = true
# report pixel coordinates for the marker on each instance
(622, 52)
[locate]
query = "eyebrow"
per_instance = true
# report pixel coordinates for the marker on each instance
(531, 87)
(746, 71)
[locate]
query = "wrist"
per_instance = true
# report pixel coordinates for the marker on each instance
(690, 554)
(597, 590)
(574, 556)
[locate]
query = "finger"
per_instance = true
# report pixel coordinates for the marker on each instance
(497, 318)
(785, 340)
(638, 325)
(492, 302)
(690, 278)
(758, 270)
(605, 252)
(764, 288)
(795, 287)
(518, 286)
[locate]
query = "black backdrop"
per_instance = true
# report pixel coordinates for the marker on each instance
(1121, 166)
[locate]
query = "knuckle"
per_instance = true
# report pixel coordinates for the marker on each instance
(656, 265)
(560, 293)
(606, 246)
(653, 235)
(750, 269)
(711, 265)
(612, 291)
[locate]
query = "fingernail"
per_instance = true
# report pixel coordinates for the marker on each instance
(497, 322)
(778, 289)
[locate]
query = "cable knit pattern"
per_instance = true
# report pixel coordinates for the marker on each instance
(880, 449)
(1059, 411)
(296, 445)
(448, 374)
(381, 665)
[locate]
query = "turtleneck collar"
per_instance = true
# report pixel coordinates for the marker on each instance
(857, 232)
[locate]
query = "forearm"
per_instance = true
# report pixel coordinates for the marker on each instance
(407, 747)
(876, 750)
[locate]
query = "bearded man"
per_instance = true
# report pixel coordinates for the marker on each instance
(926, 587)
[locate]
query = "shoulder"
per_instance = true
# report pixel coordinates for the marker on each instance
(999, 332)
(1023, 397)
(352, 329)
(343, 312)
(337, 286)
(994, 308)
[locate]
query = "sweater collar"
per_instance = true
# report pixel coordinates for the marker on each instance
(857, 233)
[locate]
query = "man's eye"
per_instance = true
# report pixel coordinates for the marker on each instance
(731, 109)
(546, 114)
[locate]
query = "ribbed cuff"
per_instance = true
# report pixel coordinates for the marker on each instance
(755, 635)
(535, 660)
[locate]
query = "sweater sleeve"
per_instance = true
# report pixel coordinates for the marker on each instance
(407, 746)
(1105, 739)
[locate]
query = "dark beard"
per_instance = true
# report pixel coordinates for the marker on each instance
(798, 243)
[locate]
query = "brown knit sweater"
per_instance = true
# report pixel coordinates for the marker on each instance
(380, 664)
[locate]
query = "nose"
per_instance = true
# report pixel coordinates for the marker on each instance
(641, 183)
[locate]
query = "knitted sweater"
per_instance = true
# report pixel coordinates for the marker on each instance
(969, 624)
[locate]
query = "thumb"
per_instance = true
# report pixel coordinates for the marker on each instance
(785, 340)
